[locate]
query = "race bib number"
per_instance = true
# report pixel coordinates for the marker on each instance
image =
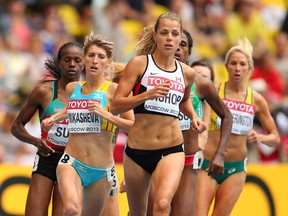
(111, 173)
(66, 159)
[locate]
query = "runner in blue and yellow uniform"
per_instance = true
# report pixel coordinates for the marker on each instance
(86, 170)
(48, 98)
(244, 103)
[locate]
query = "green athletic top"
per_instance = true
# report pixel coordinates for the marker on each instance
(198, 105)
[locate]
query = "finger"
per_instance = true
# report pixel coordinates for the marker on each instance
(48, 149)
(51, 150)
(44, 154)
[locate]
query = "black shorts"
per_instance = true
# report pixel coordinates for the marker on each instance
(148, 159)
(46, 166)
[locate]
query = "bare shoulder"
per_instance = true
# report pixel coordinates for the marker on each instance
(189, 73)
(42, 89)
(259, 101)
(140, 59)
(70, 87)
(112, 87)
(136, 65)
(111, 91)
(41, 93)
(202, 81)
(203, 84)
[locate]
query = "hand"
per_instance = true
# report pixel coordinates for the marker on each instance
(160, 91)
(96, 108)
(198, 124)
(43, 148)
(122, 187)
(253, 137)
(216, 165)
(47, 123)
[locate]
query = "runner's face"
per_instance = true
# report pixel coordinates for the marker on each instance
(237, 66)
(96, 60)
(71, 63)
(168, 36)
(183, 53)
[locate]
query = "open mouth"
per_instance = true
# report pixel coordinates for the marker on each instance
(94, 68)
(177, 56)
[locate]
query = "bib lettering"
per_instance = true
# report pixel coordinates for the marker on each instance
(81, 120)
(169, 104)
(243, 116)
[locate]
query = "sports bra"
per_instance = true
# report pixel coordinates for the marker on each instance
(153, 76)
(243, 112)
(198, 105)
(81, 120)
(58, 134)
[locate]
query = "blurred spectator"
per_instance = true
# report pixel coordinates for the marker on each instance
(281, 56)
(2, 154)
(77, 17)
(2, 63)
(107, 15)
(14, 22)
(247, 22)
(53, 27)
(185, 9)
(266, 71)
(273, 13)
(281, 119)
(85, 22)
(36, 59)
(267, 80)
(15, 151)
(284, 26)
(14, 63)
(207, 28)
(118, 21)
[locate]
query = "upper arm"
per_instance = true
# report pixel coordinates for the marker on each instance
(210, 94)
(207, 113)
(129, 115)
(263, 113)
(189, 77)
(35, 102)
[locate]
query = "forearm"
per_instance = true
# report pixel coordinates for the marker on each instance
(202, 140)
(187, 108)
(123, 124)
(124, 104)
(62, 115)
(226, 126)
(22, 134)
(271, 139)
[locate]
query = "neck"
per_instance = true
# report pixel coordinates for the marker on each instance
(164, 62)
(236, 87)
(93, 85)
